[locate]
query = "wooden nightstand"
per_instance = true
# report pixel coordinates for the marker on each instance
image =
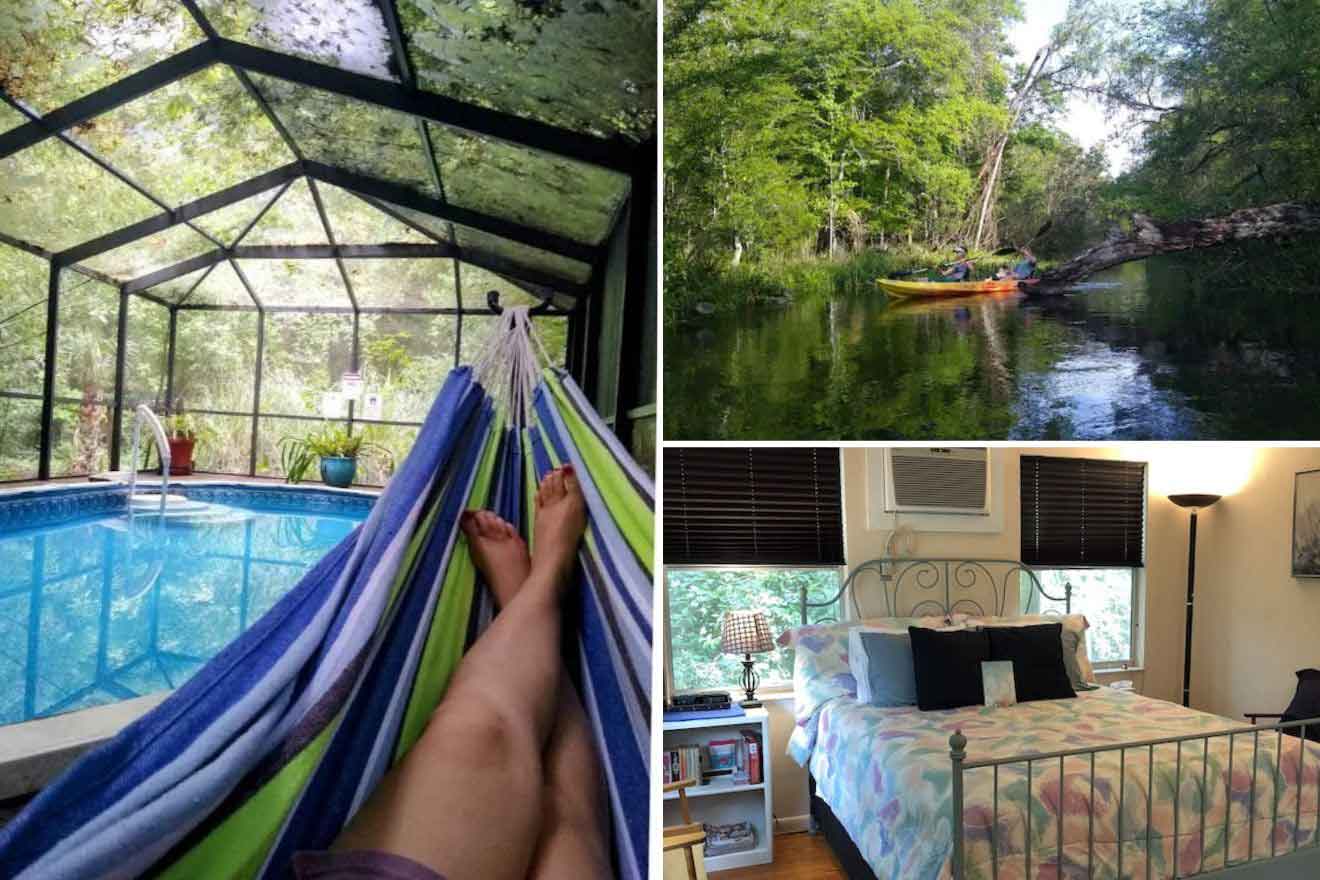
(722, 803)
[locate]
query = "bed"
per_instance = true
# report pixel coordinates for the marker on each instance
(901, 792)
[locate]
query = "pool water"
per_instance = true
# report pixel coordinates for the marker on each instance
(101, 609)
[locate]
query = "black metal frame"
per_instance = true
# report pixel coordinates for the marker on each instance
(560, 295)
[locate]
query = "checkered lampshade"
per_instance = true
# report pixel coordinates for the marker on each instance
(746, 632)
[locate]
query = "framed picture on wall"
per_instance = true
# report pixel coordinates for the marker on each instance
(1306, 524)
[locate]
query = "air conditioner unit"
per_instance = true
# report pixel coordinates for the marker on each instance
(937, 480)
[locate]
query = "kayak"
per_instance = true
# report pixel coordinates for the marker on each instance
(951, 288)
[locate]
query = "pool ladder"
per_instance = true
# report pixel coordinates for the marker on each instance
(144, 414)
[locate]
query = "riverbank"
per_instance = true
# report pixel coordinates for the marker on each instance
(702, 291)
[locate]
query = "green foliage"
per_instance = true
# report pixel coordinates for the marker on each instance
(297, 454)
(697, 600)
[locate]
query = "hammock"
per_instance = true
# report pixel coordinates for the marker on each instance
(273, 745)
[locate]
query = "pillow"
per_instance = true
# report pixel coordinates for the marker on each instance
(882, 664)
(1075, 623)
(1073, 643)
(947, 667)
(1037, 656)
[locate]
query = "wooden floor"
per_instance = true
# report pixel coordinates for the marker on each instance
(797, 857)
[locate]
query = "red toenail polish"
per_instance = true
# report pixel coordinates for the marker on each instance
(568, 469)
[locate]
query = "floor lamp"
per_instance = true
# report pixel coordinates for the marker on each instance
(1196, 503)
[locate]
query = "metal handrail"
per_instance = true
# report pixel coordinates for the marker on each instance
(142, 414)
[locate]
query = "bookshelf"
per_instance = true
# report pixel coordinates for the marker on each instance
(721, 802)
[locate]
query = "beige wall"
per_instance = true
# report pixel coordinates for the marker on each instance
(1255, 623)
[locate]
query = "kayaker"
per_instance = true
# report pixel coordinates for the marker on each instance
(960, 269)
(1024, 269)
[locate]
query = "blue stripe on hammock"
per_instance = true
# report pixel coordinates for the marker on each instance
(324, 806)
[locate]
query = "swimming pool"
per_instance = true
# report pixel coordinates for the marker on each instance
(97, 606)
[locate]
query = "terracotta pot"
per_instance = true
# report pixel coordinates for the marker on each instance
(181, 452)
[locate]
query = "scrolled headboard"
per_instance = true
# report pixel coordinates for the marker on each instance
(920, 587)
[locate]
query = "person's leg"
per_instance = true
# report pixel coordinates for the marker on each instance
(467, 800)
(572, 843)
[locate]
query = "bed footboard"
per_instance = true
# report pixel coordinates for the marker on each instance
(1229, 803)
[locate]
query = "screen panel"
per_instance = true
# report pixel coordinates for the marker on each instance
(291, 220)
(587, 66)
(305, 356)
(552, 330)
(223, 443)
(405, 359)
(24, 282)
(188, 139)
(222, 287)
(350, 134)
(88, 333)
(354, 221)
(180, 289)
(80, 439)
(164, 248)
(306, 283)
(521, 254)
(349, 34)
(377, 465)
(54, 198)
(215, 360)
(57, 52)
(537, 189)
(20, 438)
(228, 223)
(403, 283)
(147, 342)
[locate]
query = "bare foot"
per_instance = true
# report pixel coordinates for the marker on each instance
(561, 518)
(499, 552)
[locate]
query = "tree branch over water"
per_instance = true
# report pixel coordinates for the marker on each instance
(1150, 238)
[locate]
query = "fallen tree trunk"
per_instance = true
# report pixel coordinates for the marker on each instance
(1149, 238)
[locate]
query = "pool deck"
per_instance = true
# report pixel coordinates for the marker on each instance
(152, 480)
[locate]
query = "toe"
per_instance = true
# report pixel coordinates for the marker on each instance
(571, 486)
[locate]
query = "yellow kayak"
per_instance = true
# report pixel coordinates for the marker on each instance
(950, 288)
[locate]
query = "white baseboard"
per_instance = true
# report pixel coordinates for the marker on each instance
(792, 824)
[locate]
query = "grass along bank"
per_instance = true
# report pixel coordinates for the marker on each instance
(693, 291)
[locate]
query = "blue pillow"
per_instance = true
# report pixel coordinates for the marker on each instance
(888, 678)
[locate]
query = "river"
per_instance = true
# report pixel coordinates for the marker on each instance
(1142, 352)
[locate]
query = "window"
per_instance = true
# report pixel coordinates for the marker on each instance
(697, 599)
(1109, 599)
(1083, 527)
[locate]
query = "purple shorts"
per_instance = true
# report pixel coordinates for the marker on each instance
(357, 863)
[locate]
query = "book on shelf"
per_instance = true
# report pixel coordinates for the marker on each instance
(683, 762)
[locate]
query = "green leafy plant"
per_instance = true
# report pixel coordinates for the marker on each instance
(298, 454)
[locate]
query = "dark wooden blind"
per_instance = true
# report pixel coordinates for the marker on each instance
(1083, 511)
(752, 506)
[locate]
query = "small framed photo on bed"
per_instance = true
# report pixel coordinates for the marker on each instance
(997, 681)
(1306, 525)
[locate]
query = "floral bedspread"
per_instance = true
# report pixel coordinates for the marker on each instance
(886, 774)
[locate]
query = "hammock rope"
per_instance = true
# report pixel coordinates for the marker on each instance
(273, 745)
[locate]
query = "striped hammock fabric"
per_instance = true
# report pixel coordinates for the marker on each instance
(273, 745)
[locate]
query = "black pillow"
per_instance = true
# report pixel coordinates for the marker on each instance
(1305, 703)
(1037, 655)
(947, 666)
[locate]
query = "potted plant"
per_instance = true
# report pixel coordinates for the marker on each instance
(336, 449)
(181, 432)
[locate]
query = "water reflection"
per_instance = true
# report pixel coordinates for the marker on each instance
(1142, 352)
(109, 609)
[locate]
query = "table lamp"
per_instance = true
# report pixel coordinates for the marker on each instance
(747, 633)
(1195, 502)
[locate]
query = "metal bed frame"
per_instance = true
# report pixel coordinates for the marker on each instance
(930, 586)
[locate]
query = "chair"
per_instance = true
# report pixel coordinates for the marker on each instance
(686, 837)
(1305, 704)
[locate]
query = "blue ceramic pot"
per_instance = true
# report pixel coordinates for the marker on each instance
(338, 472)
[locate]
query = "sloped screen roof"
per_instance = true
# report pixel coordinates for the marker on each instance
(323, 154)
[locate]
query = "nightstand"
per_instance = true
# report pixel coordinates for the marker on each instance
(721, 803)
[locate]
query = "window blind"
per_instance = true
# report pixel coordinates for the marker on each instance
(1083, 511)
(752, 506)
